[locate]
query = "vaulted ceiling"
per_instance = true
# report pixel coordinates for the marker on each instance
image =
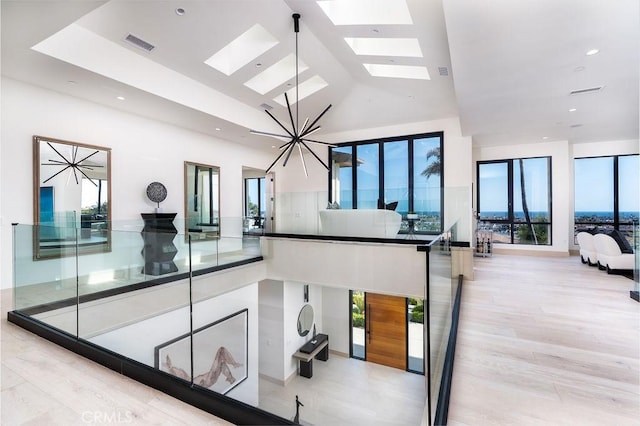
(506, 68)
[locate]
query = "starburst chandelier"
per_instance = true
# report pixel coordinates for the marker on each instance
(298, 137)
(73, 163)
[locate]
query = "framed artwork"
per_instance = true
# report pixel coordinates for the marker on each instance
(220, 354)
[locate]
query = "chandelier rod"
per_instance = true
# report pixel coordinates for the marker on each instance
(296, 28)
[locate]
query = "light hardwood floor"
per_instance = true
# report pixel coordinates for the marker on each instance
(546, 341)
(541, 341)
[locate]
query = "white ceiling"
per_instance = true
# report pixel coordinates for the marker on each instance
(511, 65)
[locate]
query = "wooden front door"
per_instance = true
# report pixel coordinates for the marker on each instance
(386, 330)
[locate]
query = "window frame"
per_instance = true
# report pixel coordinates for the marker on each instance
(616, 194)
(511, 186)
(410, 170)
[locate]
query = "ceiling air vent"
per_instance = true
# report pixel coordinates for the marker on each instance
(443, 71)
(266, 106)
(138, 42)
(589, 90)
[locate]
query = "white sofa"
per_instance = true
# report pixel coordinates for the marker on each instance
(360, 223)
(587, 248)
(610, 257)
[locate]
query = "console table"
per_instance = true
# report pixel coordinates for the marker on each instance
(317, 348)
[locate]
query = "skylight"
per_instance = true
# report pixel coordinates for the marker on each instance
(306, 88)
(276, 74)
(366, 12)
(385, 46)
(398, 71)
(244, 49)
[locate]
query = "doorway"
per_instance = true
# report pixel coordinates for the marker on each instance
(387, 330)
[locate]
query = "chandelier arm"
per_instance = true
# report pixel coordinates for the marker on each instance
(279, 123)
(74, 154)
(314, 154)
(321, 114)
(304, 165)
(304, 125)
(275, 135)
(87, 157)
(290, 149)
(55, 163)
(310, 131)
(293, 124)
(57, 152)
(75, 175)
(85, 175)
(276, 160)
(57, 174)
(320, 142)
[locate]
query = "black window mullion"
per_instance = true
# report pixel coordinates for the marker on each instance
(510, 215)
(354, 177)
(381, 172)
(616, 198)
(410, 174)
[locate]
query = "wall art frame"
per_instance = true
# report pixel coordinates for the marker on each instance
(220, 354)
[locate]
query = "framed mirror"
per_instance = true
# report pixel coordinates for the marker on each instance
(71, 198)
(305, 320)
(201, 201)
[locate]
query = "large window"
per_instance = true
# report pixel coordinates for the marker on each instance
(405, 169)
(514, 200)
(606, 193)
(254, 203)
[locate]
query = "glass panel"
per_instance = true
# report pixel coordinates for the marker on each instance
(357, 324)
(531, 189)
(493, 187)
(593, 191)
(342, 177)
(415, 313)
(537, 233)
(368, 174)
(628, 194)
(440, 295)
(252, 197)
(427, 169)
(396, 175)
(263, 195)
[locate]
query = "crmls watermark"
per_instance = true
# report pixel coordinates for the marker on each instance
(106, 417)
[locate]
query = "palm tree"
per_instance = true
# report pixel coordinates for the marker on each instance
(435, 167)
(525, 207)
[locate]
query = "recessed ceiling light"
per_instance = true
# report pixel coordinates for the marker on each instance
(244, 49)
(544, 138)
(180, 11)
(398, 71)
(218, 129)
(258, 65)
(120, 98)
(592, 52)
(578, 69)
(367, 12)
(72, 82)
(572, 110)
(385, 46)
(273, 146)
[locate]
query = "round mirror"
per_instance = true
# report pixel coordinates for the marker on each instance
(305, 320)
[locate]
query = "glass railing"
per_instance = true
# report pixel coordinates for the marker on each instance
(441, 289)
(311, 213)
(149, 300)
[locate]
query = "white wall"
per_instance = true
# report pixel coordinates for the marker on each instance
(143, 151)
(138, 341)
(335, 318)
(271, 296)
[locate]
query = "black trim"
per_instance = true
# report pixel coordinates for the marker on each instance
(350, 239)
(219, 405)
(34, 310)
(635, 295)
(442, 409)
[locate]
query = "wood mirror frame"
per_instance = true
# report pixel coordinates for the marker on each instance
(71, 198)
(201, 201)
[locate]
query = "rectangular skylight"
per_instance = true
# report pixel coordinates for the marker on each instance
(306, 88)
(409, 47)
(398, 71)
(276, 74)
(367, 12)
(244, 49)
